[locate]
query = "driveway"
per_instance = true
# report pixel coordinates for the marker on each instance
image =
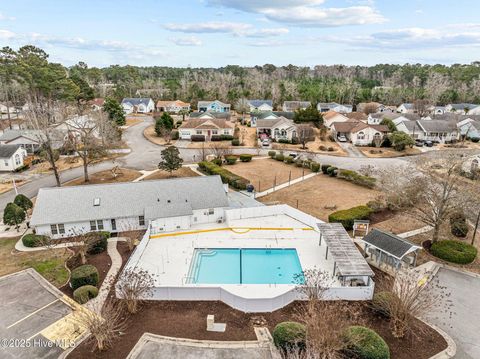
(464, 325)
(352, 150)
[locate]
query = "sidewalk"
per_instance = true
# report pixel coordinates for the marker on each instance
(280, 186)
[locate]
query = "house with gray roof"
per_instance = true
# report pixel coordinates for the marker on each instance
(406, 108)
(279, 128)
(138, 105)
(333, 106)
(163, 205)
(388, 251)
(462, 108)
(11, 157)
(213, 106)
(469, 128)
(30, 140)
(440, 131)
(292, 106)
(260, 105)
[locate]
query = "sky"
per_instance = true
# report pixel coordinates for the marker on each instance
(215, 33)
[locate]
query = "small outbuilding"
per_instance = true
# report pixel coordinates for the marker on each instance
(388, 251)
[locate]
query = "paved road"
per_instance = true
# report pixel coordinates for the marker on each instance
(464, 325)
(146, 155)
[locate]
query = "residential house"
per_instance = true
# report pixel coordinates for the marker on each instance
(173, 106)
(30, 140)
(370, 107)
(163, 206)
(213, 106)
(292, 106)
(436, 110)
(74, 125)
(377, 118)
(97, 103)
(279, 128)
(388, 251)
(469, 128)
(409, 127)
(333, 116)
(11, 157)
(138, 105)
(406, 108)
(260, 105)
(359, 133)
(13, 124)
(205, 127)
(333, 106)
(437, 130)
(357, 116)
(461, 108)
(211, 115)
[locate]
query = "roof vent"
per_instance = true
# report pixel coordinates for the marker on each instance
(168, 201)
(96, 202)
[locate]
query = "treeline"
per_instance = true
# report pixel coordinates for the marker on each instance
(389, 84)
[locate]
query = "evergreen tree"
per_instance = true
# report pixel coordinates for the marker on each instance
(115, 111)
(310, 114)
(13, 215)
(171, 160)
(23, 202)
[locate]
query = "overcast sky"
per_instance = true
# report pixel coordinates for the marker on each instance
(213, 33)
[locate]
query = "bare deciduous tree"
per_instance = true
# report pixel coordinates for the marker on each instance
(305, 133)
(133, 287)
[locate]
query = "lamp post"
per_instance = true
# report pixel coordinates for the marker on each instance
(476, 228)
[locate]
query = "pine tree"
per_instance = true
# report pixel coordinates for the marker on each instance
(171, 160)
(13, 215)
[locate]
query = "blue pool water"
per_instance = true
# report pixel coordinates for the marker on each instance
(245, 266)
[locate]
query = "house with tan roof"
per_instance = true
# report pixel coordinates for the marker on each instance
(173, 106)
(333, 116)
(360, 133)
(357, 116)
(209, 127)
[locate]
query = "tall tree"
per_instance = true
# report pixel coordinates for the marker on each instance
(310, 114)
(13, 215)
(115, 111)
(171, 160)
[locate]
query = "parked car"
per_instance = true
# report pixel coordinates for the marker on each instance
(342, 138)
(429, 143)
(266, 142)
(419, 143)
(293, 154)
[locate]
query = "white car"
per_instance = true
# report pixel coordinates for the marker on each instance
(266, 142)
(342, 138)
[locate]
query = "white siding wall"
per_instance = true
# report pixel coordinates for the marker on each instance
(9, 164)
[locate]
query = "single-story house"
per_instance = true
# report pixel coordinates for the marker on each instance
(333, 106)
(74, 125)
(97, 103)
(441, 131)
(210, 115)
(388, 251)
(357, 116)
(207, 127)
(11, 157)
(163, 206)
(279, 128)
(359, 133)
(333, 116)
(406, 108)
(292, 106)
(462, 108)
(469, 128)
(213, 106)
(30, 140)
(410, 128)
(377, 118)
(260, 105)
(436, 110)
(138, 105)
(173, 106)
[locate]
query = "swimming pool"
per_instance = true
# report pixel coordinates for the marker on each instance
(245, 266)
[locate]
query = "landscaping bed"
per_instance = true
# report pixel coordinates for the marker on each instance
(181, 172)
(122, 175)
(188, 320)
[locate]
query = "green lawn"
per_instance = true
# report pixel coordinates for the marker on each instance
(49, 263)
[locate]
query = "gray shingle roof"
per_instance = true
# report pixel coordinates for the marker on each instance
(348, 258)
(10, 135)
(258, 103)
(389, 243)
(135, 101)
(437, 125)
(6, 151)
(146, 198)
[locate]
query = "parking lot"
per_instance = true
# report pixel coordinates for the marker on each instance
(32, 311)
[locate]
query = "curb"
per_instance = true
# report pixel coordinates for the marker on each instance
(451, 349)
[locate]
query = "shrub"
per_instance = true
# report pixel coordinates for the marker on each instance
(232, 179)
(459, 229)
(287, 335)
(84, 275)
(215, 138)
(475, 139)
(322, 148)
(365, 343)
(380, 302)
(231, 160)
(454, 251)
(84, 293)
(23, 201)
(272, 154)
(289, 159)
(347, 216)
(280, 157)
(283, 140)
(376, 206)
(325, 168)
(235, 142)
(217, 161)
(197, 138)
(457, 216)
(99, 244)
(330, 149)
(175, 135)
(246, 158)
(34, 240)
(332, 171)
(307, 163)
(357, 178)
(226, 137)
(22, 168)
(315, 167)
(299, 163)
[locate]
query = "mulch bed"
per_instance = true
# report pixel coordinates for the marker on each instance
(101, 261)
(381, 216)
(188, 320)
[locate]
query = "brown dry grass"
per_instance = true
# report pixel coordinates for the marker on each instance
(266, 171)
(320, 191)
(388, 152)
(123, 175)
(132, 121)
(400, 223)
(62, 165)
(181, 172)
(7, 185)
(151, 135)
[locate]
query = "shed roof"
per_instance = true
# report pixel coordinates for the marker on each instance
(348, 258)
(390, 243)
(131, 199)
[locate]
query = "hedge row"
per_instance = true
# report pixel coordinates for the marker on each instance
(246, 158)
(357, 178)
(84, 275)
(347, 216)
(232, 179)
(454, 251)
(34, 240)
(221, 138)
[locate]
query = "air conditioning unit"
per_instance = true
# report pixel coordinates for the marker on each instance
(220, 220)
